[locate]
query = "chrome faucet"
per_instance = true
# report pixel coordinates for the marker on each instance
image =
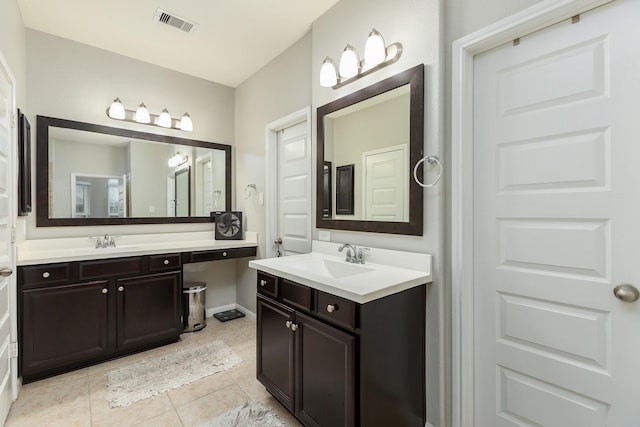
(350, 248)
(104, 242)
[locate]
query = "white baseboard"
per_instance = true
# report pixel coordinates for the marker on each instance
(212, 310)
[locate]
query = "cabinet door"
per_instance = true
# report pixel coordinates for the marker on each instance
(62, 326)
(325, 374)
(148, 310)
(275, 350)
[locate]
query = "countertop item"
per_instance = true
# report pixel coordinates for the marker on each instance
(384, 272)
(42, 251)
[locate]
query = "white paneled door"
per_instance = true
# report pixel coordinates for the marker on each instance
(7, 211)
(294, 190)
(557, 225)
(386, 187)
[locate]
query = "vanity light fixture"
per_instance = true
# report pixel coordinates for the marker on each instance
(164, 119)
(351, 68)
(177, 159)
(141, 115)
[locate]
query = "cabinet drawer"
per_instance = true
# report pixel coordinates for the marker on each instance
(164, 262)
(336, 310)
(267, 284)
(222, 254)
(49, 274)
(109, 267)
(295, 294)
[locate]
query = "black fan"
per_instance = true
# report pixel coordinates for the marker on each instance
(229, 226)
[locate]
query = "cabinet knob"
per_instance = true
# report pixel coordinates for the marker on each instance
(46, 274)
(224, 254)
(6, 272)
(294, 327)
(288, 323)
(331, 308)
(263, 282)
(105, 290)
(120, 288)
(166, 262)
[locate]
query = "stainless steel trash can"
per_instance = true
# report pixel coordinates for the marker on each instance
(193, 300)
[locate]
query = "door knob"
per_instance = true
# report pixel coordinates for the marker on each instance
(6, 272)
(626, 293)
(278, 241)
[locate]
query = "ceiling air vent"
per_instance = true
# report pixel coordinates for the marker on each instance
(168, 18)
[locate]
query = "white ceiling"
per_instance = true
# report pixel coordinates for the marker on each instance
(234, 38)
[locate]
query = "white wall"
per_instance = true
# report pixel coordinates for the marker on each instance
(280, 88)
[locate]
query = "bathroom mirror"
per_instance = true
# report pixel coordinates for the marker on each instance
(376, 135)
(91, 174)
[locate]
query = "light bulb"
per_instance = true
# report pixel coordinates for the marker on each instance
(164, 119)
(142, 114)
(185, 123)
(116, 110)
(374, 50)
(328, 74)
(349, 63)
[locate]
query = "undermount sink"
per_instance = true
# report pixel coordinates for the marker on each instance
(331, 268)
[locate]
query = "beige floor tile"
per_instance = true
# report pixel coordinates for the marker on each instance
(207, 385)
(48, 403)
(170, 419)
(204, 409)
(254, 388)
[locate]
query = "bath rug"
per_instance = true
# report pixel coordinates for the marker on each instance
(147, 378)
(251, 414)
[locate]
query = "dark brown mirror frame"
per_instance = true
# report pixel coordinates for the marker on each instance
(415, 78)
(42, 173)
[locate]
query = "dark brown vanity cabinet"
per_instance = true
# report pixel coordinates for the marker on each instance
(77, 313)
(333, 362)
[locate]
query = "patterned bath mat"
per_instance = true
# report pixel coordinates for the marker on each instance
(251, 414)
(148, 378)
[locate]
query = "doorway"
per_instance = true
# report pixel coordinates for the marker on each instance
(289, 183)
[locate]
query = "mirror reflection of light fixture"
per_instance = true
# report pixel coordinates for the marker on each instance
(177, 159)
(117, 111)
(376, 56)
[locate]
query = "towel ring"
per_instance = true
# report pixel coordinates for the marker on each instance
(432, 160)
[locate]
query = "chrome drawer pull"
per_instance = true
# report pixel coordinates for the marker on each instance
(288, 323)
(224, 254)
(120, 288)
(166, 262)
(46, 274)
(331, 308)
(294, 327)
(105, 290)
(263, 282)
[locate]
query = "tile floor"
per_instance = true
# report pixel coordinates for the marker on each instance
(78, 398)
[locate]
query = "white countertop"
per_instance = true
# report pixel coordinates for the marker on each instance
(384, 273)
(43, 251)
